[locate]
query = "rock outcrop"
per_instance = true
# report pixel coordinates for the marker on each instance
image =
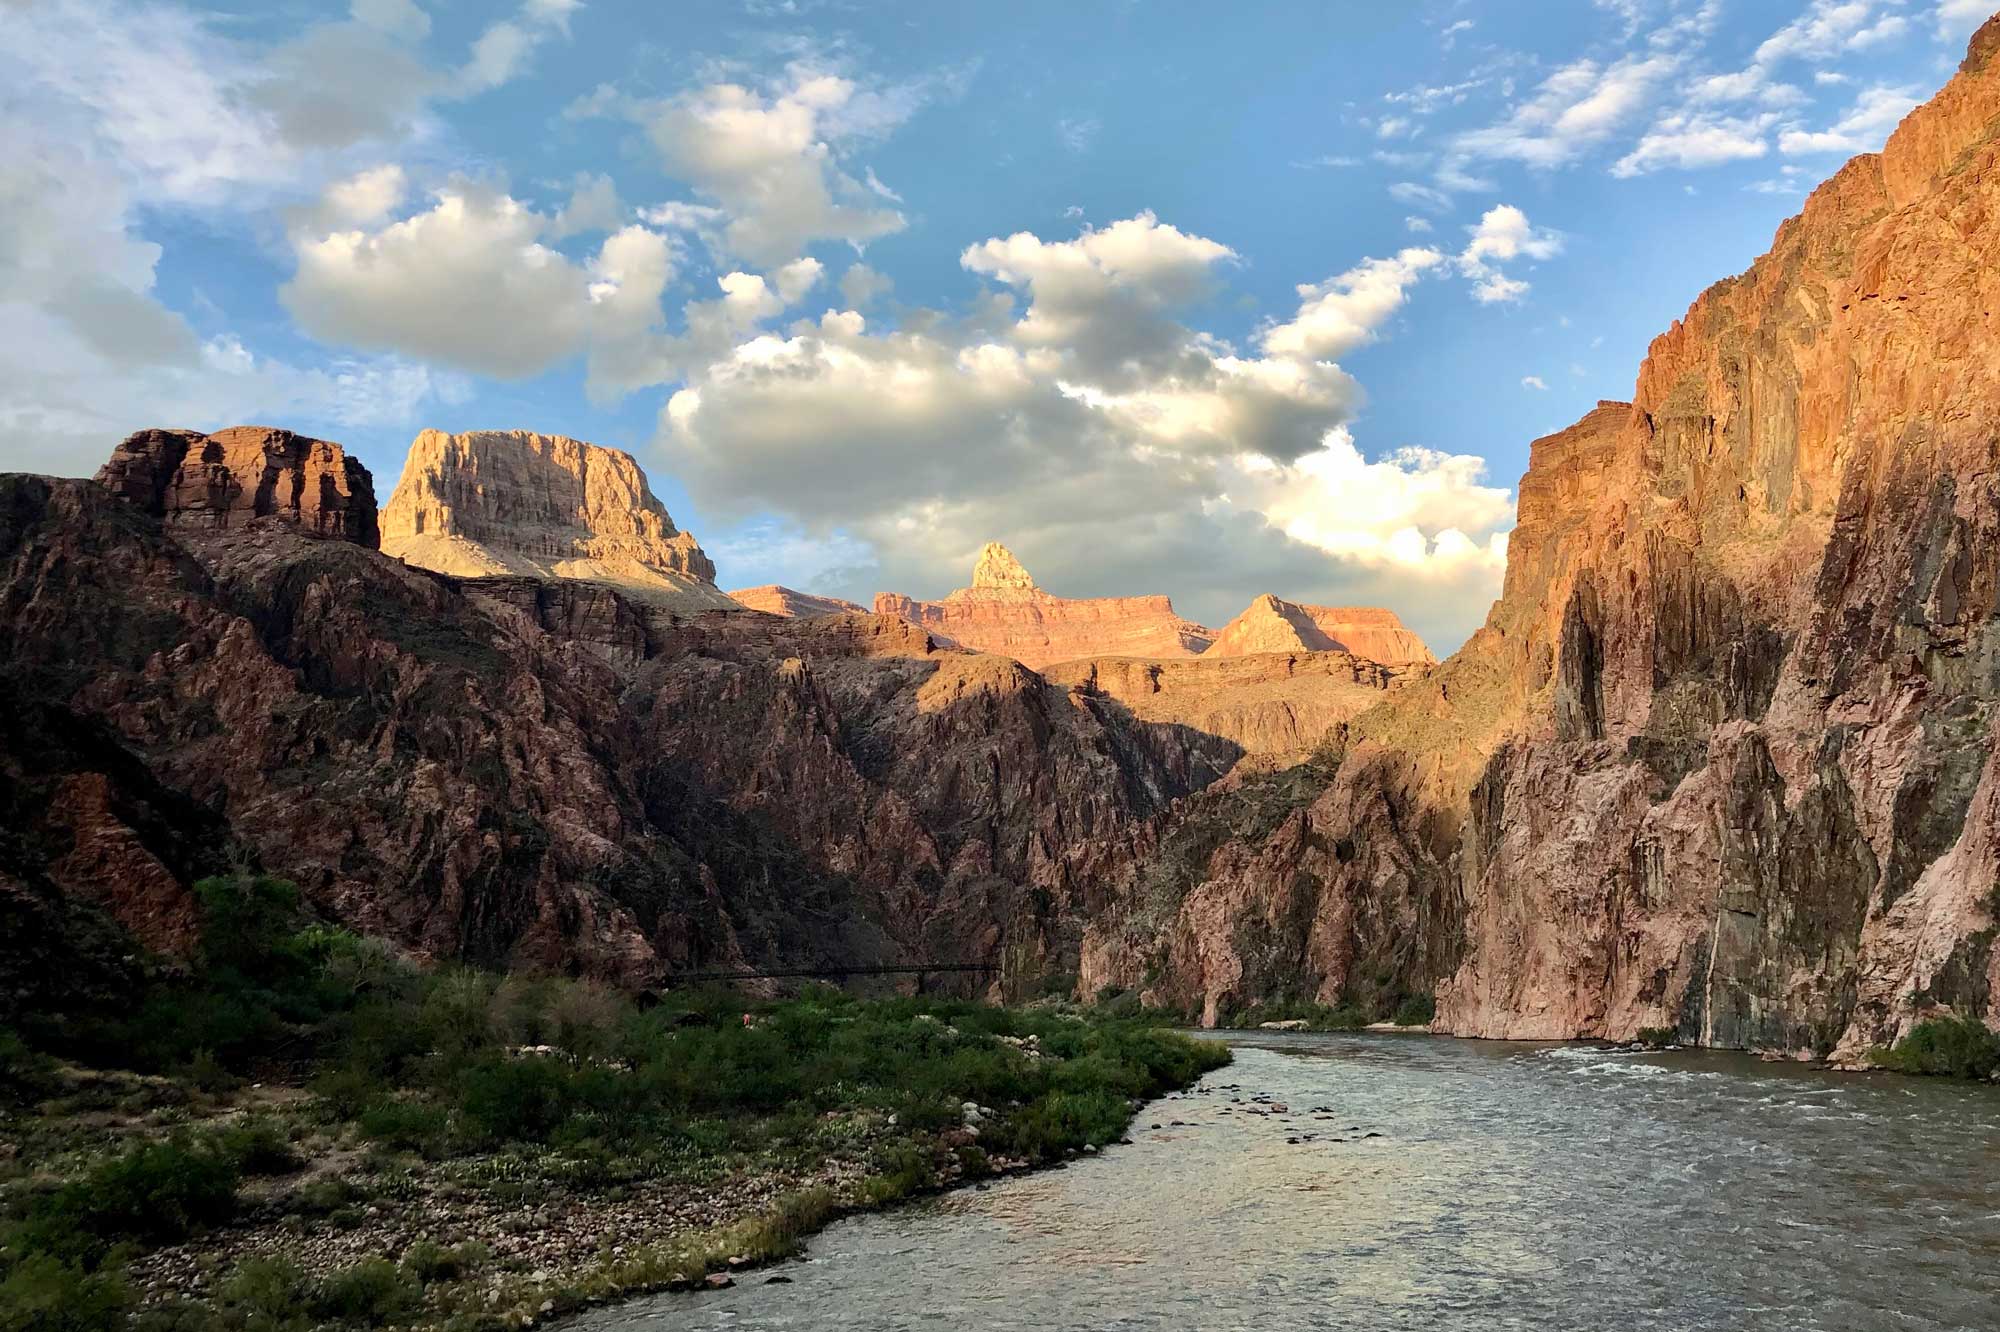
(512, 502)
(1271, 624)
(774, 599)
(1277, 707)
(236, 476)
(1006, 614)
(1722, 758)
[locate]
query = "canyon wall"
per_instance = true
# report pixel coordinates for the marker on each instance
(1005, 613)
(1722, 758)
(522, 771)
(1272, 624)
(773, 599)
(499, 502)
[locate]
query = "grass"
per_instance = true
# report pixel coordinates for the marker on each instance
(1950, 1047)
(511, 1088)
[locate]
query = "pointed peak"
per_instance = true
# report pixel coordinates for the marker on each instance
(997, 568)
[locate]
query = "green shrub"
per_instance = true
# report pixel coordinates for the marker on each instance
(264, 1295)
(429, 1262)
(1950, 1047)
(1419, 1010)
(258, 1146)
(1655, 1038)
(372, 1293)
(43, 1293)
(155, 1193)
(415, 1126)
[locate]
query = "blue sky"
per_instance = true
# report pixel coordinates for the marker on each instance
(1170, 297)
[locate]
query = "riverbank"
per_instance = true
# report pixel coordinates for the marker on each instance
(327, 1138)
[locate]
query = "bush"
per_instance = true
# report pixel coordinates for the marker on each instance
(258, 1147)
(412, 1126)
(43, 1293)
(1950, 1047)
(1419, 1010)
(1655, 1038)
(429, 1262)
(372, 1293)
(156, 1193)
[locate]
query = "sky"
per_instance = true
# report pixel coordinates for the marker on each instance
(1202, 299)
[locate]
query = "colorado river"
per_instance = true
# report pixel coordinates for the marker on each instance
(1512, 1186)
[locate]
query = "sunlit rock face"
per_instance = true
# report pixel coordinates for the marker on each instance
(1006, 614)
(774, 599)
(1272, 624)
(1722, 757)
(514, 502)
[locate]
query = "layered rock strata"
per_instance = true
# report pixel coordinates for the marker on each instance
(236, 476)
(1277, 707)
(513, 502)
(1272, 624)
(1006, 614)
(774, 599)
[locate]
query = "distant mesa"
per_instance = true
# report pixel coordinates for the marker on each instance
(774, 599)
(221, 481)
(1272, 624)
(499, 502)
(1005, 613)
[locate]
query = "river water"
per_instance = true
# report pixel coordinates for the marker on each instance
(1512, 1186)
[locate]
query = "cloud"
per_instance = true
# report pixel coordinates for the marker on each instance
(1417, 225)
(1095, 432)
(1390, 127)
(768, 163)
(1420, 196)
(1864, 128)
(1078, 135)
(593, 206)
(502, 51)
(1576, 108)
(1106, 298)
(1692, 141)
(91, 139)
(1503, 235)
(1345, 312)
(1534, 382)
(398, 18)
(861, 286)
(468, 283)
(1829, 27)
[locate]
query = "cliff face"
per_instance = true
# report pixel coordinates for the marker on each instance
(1275, 706)
(1723, 757)
(234, 476)
(773, 599)
(500, 502)
(1272, 624)
(522, 771)
(1006, 614)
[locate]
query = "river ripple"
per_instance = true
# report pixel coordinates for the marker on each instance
(1513, 1186)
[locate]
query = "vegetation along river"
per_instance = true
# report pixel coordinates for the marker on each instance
(1430, 1183)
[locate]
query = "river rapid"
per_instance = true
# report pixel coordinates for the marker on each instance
(1425, 1183)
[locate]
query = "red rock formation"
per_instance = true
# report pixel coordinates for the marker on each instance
(1722, 758)
(1271, 624)
(775, 600)
(1006, 614)
(243, 473)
